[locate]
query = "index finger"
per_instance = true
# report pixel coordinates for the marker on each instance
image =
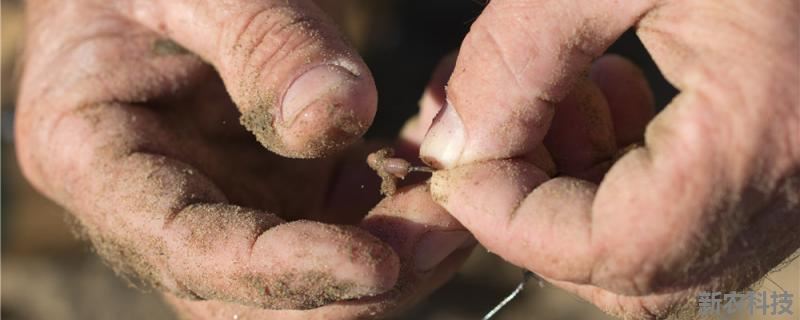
(518, 60)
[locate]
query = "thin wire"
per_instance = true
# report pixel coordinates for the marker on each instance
(775, 283)
(525, 276)
(420, 169)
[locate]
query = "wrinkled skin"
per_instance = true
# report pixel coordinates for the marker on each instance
(133, 137)
(708, 200)
(128, 118)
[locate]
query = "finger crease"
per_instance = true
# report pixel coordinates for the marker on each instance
(282, 48)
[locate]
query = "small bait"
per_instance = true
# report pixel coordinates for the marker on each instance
(390, 169)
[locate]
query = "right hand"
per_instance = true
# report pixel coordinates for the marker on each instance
(709, 201)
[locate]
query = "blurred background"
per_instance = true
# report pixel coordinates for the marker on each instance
(47, 273)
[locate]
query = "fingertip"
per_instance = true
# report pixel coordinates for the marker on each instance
(323, 110)
(306, 264)
(412, 204)
(505, 83)
(435, 91)
(430, 242)
(303, 91)
(630, 99)
(234, 254)
(581, 135)
(445, 141)
(433, 99)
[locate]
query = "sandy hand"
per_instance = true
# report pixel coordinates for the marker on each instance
(123, 121)
(710, 202)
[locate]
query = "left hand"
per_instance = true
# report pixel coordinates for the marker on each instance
(140, 139)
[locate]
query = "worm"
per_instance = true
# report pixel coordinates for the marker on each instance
(390, 169)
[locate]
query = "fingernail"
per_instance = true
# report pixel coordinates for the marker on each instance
(435, 246)
(322, 82)
(445, 140)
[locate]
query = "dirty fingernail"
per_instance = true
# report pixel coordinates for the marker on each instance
(322, 82)
(435, 246)
(445, 141)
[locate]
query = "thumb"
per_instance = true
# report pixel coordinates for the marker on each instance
(518, 60)
(301, 89)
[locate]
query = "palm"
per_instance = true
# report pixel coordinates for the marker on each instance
(203, 126)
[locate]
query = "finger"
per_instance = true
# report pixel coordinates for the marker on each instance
(433, 99)
(558, 237)
(600, 115)
(300, 88)
(629, 97)
(146, 209)
(420, 231)
(581, 134)
(542, 159)
(518, 60)
(163, 220)
(431, 244)
(297, 265)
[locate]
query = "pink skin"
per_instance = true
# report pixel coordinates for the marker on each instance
(709, 202)
(104, 121)
(142, 143)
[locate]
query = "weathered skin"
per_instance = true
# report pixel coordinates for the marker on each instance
(123, 121)
(710, 201)
(139, 139)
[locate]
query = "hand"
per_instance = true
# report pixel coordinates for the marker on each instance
(122, 121)
(709, 201)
